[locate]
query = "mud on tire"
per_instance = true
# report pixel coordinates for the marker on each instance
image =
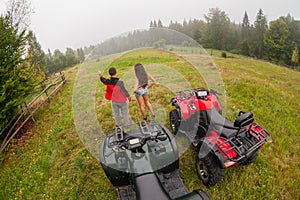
(209, 170)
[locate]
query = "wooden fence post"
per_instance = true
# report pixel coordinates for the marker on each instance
(45, 91)
(28, 110)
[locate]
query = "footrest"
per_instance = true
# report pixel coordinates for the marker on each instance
(173, 184)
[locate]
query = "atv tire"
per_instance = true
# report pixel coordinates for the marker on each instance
(174, 121)
(251, 159)
(209, 170)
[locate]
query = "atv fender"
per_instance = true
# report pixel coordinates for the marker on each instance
(205, 147)
(175, 103)
(116, 177)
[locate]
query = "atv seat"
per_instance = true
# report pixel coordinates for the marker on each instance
(225, 127)
(220, 124)
(244, 119)
(215, 118)
(148, 187)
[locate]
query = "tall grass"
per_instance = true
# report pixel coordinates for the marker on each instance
(50, 162)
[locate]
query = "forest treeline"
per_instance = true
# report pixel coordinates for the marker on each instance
(58, 61)
(277, 41)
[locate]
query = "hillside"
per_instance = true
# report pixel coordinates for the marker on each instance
(50, 160)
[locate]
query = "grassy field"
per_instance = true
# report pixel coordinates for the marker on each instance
(49, 160)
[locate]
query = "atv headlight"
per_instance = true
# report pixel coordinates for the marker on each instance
(201, 93)
(134, 141)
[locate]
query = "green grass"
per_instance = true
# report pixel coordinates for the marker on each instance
(49, 161)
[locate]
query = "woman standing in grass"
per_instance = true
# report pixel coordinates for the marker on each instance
(141, 89)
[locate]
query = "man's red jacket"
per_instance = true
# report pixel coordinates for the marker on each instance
(115, 90)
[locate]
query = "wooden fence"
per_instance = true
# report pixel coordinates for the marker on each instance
(28, 109)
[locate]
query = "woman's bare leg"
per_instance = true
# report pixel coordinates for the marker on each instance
(148, 104)
(141, 105)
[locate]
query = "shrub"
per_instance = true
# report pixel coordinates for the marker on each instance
(224, 55)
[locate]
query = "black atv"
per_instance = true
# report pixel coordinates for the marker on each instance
(219, 142)
(141, 161)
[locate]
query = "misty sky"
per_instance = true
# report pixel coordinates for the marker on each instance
(59, 24)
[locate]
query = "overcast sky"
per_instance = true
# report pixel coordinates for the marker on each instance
(59, 24)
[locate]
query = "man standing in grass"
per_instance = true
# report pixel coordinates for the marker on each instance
(117, 93)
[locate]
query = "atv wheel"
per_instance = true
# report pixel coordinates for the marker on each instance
(251, 159)
(174, 121)
(209, 170)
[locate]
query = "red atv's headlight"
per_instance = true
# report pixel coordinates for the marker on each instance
(201, 93)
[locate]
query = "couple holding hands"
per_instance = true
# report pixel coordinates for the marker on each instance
(117, 93)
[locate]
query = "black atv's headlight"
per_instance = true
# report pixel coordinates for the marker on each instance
(134, 141)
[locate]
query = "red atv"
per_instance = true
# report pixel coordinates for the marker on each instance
(219, 142)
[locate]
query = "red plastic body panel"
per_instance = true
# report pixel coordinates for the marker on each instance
(189, 104)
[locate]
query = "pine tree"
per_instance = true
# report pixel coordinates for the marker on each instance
(260, 27)
(70, 57)
(36, 57)
(17, 77)
(59, 60)
(151, 24)
(245, 27)
(159, 24)
(218, 25)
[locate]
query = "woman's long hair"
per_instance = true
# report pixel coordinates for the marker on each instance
(141, 75)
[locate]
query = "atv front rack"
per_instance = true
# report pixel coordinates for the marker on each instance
(245, 144)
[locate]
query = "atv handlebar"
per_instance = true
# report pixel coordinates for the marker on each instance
(135, 139)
